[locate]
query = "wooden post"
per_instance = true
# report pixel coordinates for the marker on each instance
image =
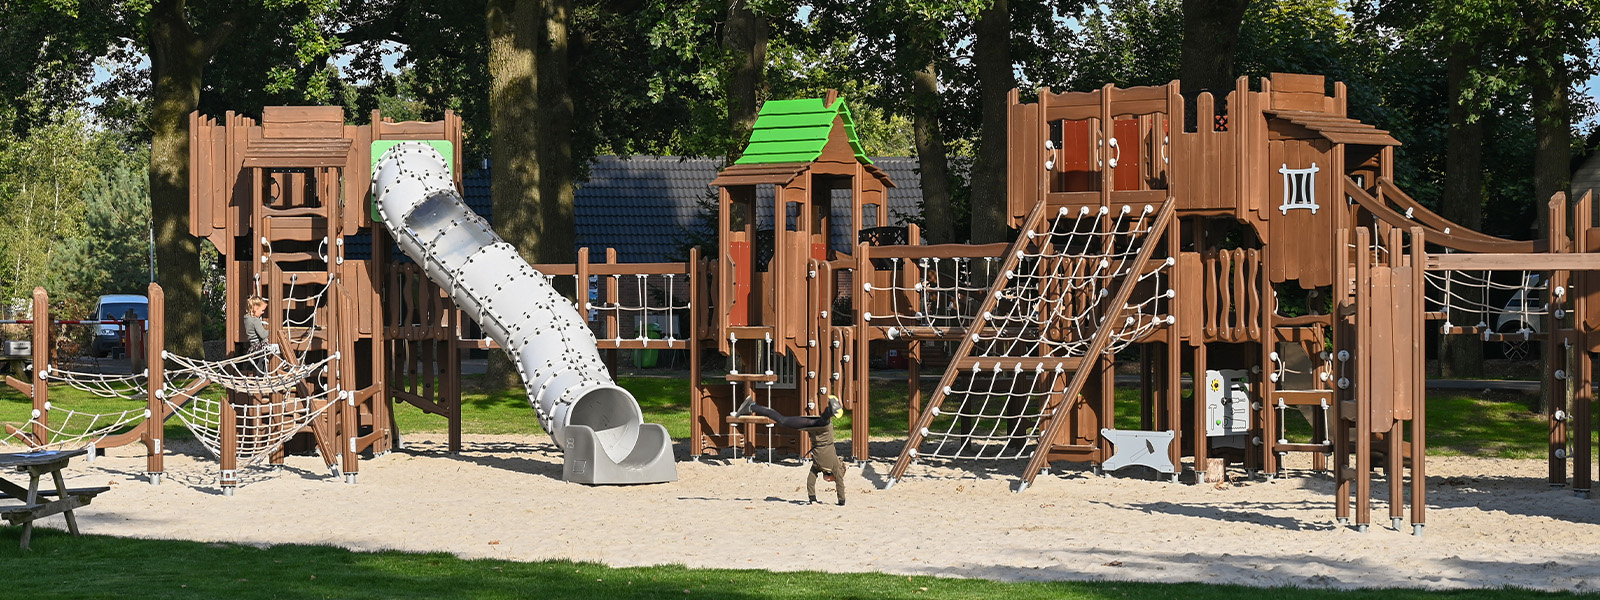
(1419, 398)
(155, 430)
(1552, 388)
(697, 395)
(613, 295)
(1581, 377)
(1364, 367)
(41, 361)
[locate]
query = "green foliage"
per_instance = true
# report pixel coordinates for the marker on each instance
(43, 177)
(112, 253)
(1129, 43)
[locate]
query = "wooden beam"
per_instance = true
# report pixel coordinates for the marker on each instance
(1513, 262)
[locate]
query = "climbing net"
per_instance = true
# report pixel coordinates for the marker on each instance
(641, 296)
(1476, 298)
(1047, 308)
(277, 402)
(938, 295)
(68, 428)
(129, 386)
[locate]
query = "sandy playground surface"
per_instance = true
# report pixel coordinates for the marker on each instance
(1490, 522)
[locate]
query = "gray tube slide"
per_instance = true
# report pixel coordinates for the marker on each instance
(596, 423)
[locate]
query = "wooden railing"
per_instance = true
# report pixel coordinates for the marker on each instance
(1233, 295)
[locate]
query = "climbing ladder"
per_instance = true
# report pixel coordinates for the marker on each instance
(1065, 298)
(297, 213)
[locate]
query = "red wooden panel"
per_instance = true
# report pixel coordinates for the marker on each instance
(1129, 170)
(1073, 159)
(739, 311)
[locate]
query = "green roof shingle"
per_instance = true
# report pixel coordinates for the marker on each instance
(797, 131)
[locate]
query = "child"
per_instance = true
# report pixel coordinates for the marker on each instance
(255, 329)
(824, 459)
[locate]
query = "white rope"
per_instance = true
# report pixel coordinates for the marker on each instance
(126, 387)
(278, 404)
(1051, 304)
(70, 429)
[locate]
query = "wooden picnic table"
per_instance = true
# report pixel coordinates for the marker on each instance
(34, 505)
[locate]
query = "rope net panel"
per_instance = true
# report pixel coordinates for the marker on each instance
(271, 406)
(1046, 311)
(642, 299)
(71, 428)
(1477, 298)
(937, 295)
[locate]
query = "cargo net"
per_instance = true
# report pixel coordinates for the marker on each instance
(1048, 306)
(932, 296)
(1488, 303)
(300, 313)
(645, 308)
(271, 406)
(68, 428)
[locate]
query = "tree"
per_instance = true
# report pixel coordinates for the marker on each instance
(1210, 36)
(42, 178)
(112, 253)
(744, 38)
(178, 58)
(991, 58)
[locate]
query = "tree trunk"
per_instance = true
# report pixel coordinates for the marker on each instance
(1462, 355)
(938, 224)
(556, 233)
(177, 64)
(992, 59)
(1210, 36)
(1552, 157)
(514, 32)
(745, 39)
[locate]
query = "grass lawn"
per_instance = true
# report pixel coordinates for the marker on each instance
(60, 566)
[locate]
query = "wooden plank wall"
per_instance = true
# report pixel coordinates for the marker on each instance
(1308, 258)
(1204, 172)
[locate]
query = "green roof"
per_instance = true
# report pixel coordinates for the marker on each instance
(789, 131)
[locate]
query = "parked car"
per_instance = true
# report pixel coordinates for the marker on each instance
(109, 337)
(1522, 314)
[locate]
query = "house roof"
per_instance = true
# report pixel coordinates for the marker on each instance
(796, 131)
(647, 207)
(1339, 130)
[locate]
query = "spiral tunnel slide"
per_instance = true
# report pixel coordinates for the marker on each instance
(597, 424)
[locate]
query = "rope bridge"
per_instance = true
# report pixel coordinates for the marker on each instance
(281, 400)
(71, 429)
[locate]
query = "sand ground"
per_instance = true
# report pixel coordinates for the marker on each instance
(1490, 522)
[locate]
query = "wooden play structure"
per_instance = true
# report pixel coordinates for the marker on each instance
(1251, 264)
(1248, 258)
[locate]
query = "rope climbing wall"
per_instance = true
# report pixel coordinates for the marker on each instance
(1065, 292)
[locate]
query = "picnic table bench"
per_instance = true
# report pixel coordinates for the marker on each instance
(35, 502)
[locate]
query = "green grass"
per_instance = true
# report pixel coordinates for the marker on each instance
(60, 566)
